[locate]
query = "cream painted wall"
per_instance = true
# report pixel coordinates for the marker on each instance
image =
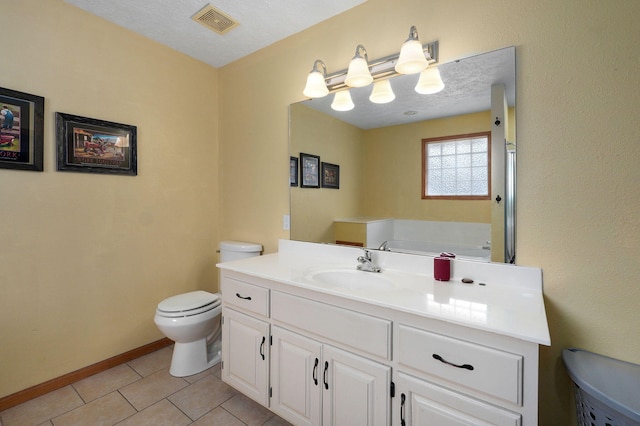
(394, 164)
(578, 148)
(86, 257)
(314, 209)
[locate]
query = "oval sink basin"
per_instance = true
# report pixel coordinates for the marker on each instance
(351, 279)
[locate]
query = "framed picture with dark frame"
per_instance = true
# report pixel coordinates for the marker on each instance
(309, 171)
(88, 145)
(293, 171)
(330, 176)
(21, 130)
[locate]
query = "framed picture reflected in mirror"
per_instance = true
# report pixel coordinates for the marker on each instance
(309, 171)
(330, 175)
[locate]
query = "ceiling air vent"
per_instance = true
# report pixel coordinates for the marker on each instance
(214, 19)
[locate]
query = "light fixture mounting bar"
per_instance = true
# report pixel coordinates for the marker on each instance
(381, 68)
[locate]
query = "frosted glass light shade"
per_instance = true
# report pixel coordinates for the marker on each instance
(412, 59)
(342, 101)
(316, 86)
(358, 74)
(382, 92)
(429, 82)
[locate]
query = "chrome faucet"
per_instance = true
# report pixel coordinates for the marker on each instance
(365, 263)
(384, 246)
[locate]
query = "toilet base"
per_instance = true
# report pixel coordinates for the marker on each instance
(194, 357)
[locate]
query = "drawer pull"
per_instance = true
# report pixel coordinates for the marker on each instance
(466, 366)
(324, 377)
(262, 347)
(243, 297)
(402, 401)
(315, 372)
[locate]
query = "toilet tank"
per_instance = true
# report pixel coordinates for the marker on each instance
(235, 250)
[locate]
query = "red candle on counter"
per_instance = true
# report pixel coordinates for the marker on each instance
(442, 268)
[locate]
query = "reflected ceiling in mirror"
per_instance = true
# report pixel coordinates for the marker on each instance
(467, 89)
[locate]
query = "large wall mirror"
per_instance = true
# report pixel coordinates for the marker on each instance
(374, 195)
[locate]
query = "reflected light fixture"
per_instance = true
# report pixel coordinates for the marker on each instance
(412, 59)
(316, 86)
(342, 101)
(382, 92)
(358, 74)
(429, 82)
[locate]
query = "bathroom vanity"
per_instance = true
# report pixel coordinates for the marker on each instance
(363, 231)
(319, 342)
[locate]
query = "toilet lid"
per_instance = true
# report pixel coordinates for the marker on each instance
(194, 300)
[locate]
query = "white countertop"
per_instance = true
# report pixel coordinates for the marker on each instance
(364, 219)
(510, 303)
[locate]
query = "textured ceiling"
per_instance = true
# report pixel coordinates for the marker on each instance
(261, 23)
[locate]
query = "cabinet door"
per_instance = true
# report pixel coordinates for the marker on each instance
(245, 354)
(421, 403)
(296, 377)
(356, 390)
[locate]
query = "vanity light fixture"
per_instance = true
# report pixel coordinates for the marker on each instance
(316, 85)
(411, 59)
(382, 92)
(342, 101)
(358, 74)
(429, 82)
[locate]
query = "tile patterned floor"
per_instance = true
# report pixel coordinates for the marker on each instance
(142, 392)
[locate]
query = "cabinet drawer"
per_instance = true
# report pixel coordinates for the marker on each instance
(353, 329)
(424, 403)
(491, 371)
(250, 297)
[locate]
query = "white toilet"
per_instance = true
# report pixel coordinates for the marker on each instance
(192, 320)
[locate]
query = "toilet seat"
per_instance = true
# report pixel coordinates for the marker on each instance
(188, 304)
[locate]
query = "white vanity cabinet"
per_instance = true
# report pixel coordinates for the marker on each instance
(328, 341)
(296, 377)
(425, 353)
(449, 375)
(423, 403)
(245, 357)
(245, 338)
(318, 384)
(304, 359)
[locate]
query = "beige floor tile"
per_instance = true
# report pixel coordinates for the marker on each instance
(155, 361)
(196, 377)
(277, 421)
(247, 410)
(106, 382)
(144, 385)
(151, 389)
(107, 410)
(203, 396)
(162, 413)
(43, 408)
(218, 417)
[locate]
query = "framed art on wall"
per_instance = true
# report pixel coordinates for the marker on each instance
(309, 171)
(330, 176)
(88, 145)
(293, 171)
(21, 130)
